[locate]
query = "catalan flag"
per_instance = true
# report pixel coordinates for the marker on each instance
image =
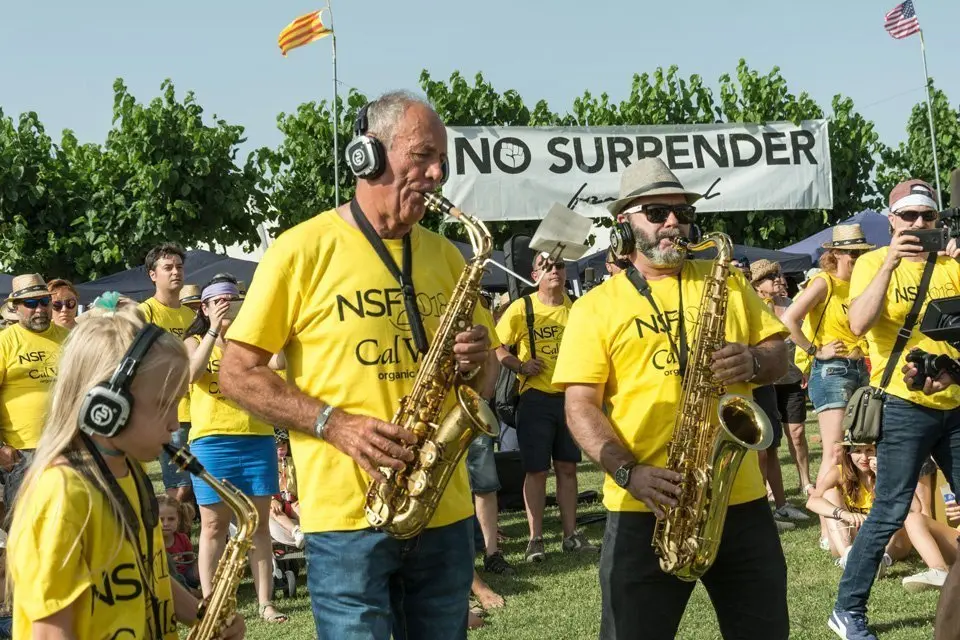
(301, 31)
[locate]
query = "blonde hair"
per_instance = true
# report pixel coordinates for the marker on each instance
(828, 261)
(184, 511)
(90, 355)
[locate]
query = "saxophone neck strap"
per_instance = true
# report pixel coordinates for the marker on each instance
(403, 276)
(643, 288)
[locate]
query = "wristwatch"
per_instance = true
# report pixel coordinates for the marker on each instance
(812, 350)
(622, 475)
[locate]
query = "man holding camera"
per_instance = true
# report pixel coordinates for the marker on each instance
(915, 424)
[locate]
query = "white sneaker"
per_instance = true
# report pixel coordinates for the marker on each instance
(929, 579)
(885, 563)
(298, 537)
(784, 526)
(790, 512)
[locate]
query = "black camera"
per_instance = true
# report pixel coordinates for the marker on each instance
(941, 322)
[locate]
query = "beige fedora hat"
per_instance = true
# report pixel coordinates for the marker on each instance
(848, 236)
(30, 285)
(648, 177)
(189, 294)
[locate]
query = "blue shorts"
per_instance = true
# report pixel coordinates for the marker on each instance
(248, 462)
(173, 477)
(832, 382)
(482, 465)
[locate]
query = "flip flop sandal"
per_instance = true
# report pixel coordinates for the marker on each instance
(276, 617)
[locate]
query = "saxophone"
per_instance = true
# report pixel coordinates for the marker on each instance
(217, 609)
(712, 432)
(403, 505)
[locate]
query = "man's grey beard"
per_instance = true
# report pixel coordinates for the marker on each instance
(650, 248)
(38, 324)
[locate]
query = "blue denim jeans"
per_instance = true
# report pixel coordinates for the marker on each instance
(365, 585)
(909, 433)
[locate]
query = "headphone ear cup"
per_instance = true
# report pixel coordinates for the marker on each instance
(366, 157)
(445, 169)
(105, 411)
(621, 239)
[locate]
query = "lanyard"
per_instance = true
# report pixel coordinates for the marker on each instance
(643, 288)
(404, 277)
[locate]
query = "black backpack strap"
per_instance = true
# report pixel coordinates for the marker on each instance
(912, 316)
(528, 312)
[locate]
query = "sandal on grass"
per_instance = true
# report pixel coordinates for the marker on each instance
(276, 617)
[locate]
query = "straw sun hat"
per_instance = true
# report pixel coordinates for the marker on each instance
(762, 268)
(30, 285)
(648, 177)
(849, 236)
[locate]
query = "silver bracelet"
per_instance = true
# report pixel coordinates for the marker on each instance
(321, 424)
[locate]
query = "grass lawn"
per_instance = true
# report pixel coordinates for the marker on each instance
(560, 598)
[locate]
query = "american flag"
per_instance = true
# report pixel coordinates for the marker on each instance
(902, 21)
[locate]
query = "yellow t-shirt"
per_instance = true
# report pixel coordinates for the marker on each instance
(548, 324)
(901, 293)
(864, 501)
(212, 414)
(67, 554)
(28, 369)
(322, 294)
(831, 314)
(175, 321)
(614, 338)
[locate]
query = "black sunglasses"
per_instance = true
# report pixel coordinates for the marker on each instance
(911, 216)
(658, 213)
(556, 266)
(33, 303)
(58, 305)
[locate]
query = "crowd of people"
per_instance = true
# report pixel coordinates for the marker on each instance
(288, 391)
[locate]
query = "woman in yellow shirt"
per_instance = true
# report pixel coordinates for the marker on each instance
(230, 443)
(838, 367)
(86, 556)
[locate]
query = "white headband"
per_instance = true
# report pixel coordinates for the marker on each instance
(913, 200)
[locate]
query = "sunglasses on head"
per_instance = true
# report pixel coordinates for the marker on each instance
(911, 216)
(658, 213)
(58, 305)
(33, 303)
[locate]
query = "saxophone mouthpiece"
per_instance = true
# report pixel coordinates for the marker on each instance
(184, 459)
(441, 205)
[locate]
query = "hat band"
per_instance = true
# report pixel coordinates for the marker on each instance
(914, 200)
(844, 243)
(650, 187)
(195, 298)
(34, 289)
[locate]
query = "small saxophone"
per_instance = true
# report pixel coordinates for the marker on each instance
(217, 609)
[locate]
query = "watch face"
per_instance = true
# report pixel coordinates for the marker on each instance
(622, 476)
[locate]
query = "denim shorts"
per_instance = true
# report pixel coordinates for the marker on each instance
(832, 382)
(248, 462)
(482, 465)
(173, 477)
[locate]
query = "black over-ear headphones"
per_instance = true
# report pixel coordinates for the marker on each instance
(107, 407)
(367, 156)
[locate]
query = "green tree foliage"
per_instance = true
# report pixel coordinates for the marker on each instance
(914, 158)
(80, 211)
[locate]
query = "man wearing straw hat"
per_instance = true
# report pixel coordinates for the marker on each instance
(884, 285)
(29, 351)
(620, 364)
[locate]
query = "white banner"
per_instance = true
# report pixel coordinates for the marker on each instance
(518, 173)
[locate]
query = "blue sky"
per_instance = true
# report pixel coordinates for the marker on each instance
(60, 58)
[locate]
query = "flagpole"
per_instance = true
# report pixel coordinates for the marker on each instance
(336, 116)
(933, 129)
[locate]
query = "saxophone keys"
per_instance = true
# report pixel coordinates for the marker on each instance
(416, 483)
(429, 454)
(420, 429)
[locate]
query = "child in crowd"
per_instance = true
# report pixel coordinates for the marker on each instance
(175, 520)
(844, 496)
(285, 507)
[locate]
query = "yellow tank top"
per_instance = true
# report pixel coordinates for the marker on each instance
(831, 315)
(212, 414)
(862, 504)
